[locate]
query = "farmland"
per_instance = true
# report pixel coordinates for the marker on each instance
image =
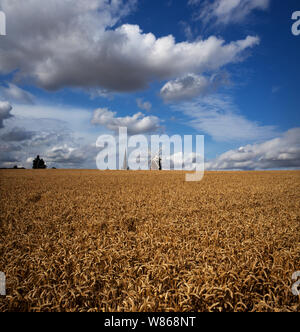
(149, 241)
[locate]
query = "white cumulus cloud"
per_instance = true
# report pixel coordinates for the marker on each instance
(136, 124)
(78, 43)
(191, 86)
(5, 112)
(282, 152)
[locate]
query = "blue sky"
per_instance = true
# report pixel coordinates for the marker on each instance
(72, 70)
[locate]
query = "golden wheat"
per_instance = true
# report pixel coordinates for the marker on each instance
(148, 241)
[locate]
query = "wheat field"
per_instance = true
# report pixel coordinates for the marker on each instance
(149, 241)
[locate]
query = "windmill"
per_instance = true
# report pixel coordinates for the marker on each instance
(156, 162)
(125, 163)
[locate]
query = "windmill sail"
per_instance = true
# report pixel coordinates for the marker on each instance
(156, 162)
(125, 163)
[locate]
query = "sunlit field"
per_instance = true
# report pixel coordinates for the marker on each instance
(149, 241)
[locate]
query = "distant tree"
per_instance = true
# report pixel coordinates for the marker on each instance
(39, 163)
(16, 167)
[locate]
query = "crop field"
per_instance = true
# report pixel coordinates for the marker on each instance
(149, 241)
